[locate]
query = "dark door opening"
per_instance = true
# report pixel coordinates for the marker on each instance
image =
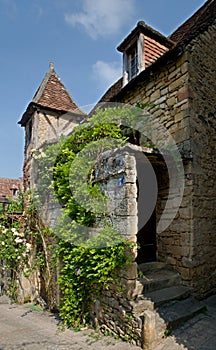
(147, 197)
(146, 240)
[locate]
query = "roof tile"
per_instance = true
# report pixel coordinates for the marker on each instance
(196, 23)
(53, 94)
(7, 185)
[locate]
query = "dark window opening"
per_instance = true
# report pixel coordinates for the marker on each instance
(132, 62)
(29, 132)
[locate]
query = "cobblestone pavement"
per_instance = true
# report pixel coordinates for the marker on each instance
(22, 328)
(197, 334)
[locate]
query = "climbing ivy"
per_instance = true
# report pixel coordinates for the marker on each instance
(84, 269)
(85, 273)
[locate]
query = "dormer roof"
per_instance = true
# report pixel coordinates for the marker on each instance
(142, 27)
(195, 25)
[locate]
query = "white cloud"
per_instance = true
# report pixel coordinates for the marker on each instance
(102, 17)
(9, 8)
(106, 73)
(38, 10)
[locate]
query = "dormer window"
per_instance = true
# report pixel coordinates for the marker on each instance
(133, 57)
(141, 48)
(132, 62)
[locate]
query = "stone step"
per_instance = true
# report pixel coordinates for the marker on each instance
(157, 279)
(175, 313)
(166, 295)
(155, 265)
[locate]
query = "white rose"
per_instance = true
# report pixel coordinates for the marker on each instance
(18, 240)
(28, 246)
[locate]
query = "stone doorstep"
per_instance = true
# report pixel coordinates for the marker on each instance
(151, 301)
(175, 313)
(165, 303)
(166, 295)
(159, 279)
(150, 266)
(167, 318)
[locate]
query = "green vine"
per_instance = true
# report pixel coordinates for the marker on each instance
(84, 269)
(85, 273)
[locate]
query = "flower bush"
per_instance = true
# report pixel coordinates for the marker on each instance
(14, 247)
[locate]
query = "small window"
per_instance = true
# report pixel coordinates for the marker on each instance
(14, 193)
(29, 132)
(132, 63)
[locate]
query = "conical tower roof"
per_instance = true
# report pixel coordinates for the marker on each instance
(51, 94)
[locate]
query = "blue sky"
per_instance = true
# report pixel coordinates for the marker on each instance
(80, 37)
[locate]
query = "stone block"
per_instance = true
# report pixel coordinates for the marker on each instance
(164, 92)
(149, 329)
(155, 95)
(140, 306)
(171, 101)
(178, 83)
(184, 67)
(174, 74)
(130, 271)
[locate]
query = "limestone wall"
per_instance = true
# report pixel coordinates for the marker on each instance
(116, 175)
(167, 93)
(202, 73)
(181, 96)
(115, 172)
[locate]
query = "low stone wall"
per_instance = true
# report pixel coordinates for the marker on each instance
(115, 311)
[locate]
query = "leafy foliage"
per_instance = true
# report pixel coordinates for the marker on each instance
(85, 272)
(13, 244)
(22, 245)
(84, 269)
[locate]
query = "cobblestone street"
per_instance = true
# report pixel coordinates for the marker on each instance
(24, 328)
(197, 334)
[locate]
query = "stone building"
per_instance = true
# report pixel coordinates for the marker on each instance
(177, 85)
(9, 189)
(51, 113)
(174, 79)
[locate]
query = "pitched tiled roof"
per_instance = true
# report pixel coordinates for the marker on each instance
(8, 185)
(196, 24)
(112, 91)
(153, 50)
(142, 27)
(53, 94)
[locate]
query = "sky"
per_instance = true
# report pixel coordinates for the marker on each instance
(80, 37)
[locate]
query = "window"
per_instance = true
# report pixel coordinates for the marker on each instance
(133, 63)
(133, 58)
(29, 132)
(14, 193)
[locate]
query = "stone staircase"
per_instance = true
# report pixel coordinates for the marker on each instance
(164, 303)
